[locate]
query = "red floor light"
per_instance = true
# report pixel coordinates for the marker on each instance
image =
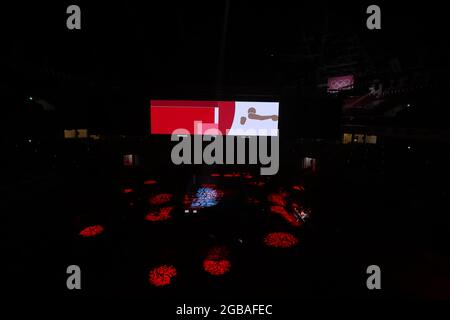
(291, 219)
(216, 267)
(232, 175)
(280, 240)
(187, 200)
(278, 210)
(215, 174)
(278, 199)
(150, 182)
(298, 188)
(160, 214)
(127, 190)
(216, 262)
(92, 231)
(162, 275)
(160, 199)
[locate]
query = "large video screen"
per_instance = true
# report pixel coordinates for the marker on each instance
(214, 117)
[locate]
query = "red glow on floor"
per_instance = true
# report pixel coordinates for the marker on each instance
(150, 182)
(92, 231)
(280, 240)
(186, 200)
(127, 190)
(160, 198)
(291, 219)
(232, 175)
(215, 174)
(160, 214)
(278, 210)
(298, 188)
(216, 262)
(216, 267)
(162, 275)
(248, 176)
(278, 199)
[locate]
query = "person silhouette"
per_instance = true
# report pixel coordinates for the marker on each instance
(254, 116)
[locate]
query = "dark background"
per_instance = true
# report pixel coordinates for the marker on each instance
(385, 204)
(104, 75)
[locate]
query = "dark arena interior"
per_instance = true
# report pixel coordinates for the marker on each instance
(97, 203)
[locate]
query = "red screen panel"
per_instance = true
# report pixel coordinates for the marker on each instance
(167, 119)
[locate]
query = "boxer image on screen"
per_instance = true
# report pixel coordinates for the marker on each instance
(252, 115)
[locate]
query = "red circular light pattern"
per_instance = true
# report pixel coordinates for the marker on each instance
(216, 262)
(127, 190)
(149, 182)
(280, 240)
(216, 267)
(92, 231)
(162, 275)
(160, 198)
(160, 214)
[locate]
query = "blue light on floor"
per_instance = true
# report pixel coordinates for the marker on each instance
(206, 197)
